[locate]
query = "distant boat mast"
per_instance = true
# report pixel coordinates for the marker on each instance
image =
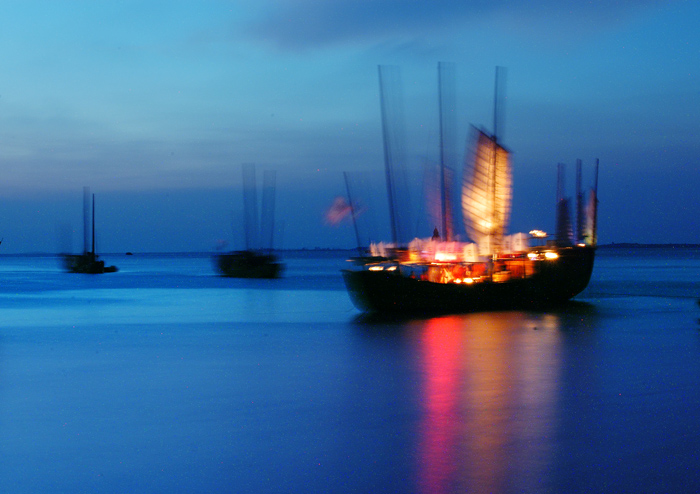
(86, 221)
(93, 225)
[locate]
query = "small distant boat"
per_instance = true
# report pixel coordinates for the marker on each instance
(494, 271)
(88, 262)
(248, 264)
(254, 261)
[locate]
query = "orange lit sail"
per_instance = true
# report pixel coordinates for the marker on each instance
(487, 193)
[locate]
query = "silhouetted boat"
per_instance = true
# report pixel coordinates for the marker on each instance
(88, 262)
(494, 271)
(254, 261)
(248, 264)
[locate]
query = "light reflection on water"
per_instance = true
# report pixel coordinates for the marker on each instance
(489, 399)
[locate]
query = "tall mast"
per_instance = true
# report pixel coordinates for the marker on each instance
(498, 90)
(495, 108)
(443, 194)
(387, 156)
(495, 150)
(446, 107)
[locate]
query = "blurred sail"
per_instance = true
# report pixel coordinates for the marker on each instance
(591, 230)
(487, 193)
(250, 207)
(267, 218)
(589, 235)
(564, 231)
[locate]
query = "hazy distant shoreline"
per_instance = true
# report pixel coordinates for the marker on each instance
(625, 245)
(324, 250)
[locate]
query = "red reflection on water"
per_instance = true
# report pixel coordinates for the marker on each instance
(441, 345)
(489, 401)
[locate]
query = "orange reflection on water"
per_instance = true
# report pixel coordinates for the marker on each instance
(489, 398)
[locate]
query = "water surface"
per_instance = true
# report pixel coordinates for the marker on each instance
(164, 377)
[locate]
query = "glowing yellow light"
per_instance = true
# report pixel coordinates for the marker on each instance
(532, 255)
(469, 281)
(443, 256)
(551, 255)
(538, 233)
(376, 268)
(391, 268)
(458, 281)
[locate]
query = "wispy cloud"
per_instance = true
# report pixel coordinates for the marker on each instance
(303, 24)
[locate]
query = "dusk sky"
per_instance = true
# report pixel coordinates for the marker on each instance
(155, 105)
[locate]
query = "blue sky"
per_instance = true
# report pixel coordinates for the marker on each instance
(155, 106)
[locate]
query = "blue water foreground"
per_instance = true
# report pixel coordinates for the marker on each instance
(164, 377)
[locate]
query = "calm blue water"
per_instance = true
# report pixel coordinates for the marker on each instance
(166, 378)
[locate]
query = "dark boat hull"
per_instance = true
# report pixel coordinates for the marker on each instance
(554, 283)
(86, 264)
(247, 264)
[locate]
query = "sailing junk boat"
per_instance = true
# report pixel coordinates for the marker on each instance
(87, 262)
(495, 270)
(254, 262)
